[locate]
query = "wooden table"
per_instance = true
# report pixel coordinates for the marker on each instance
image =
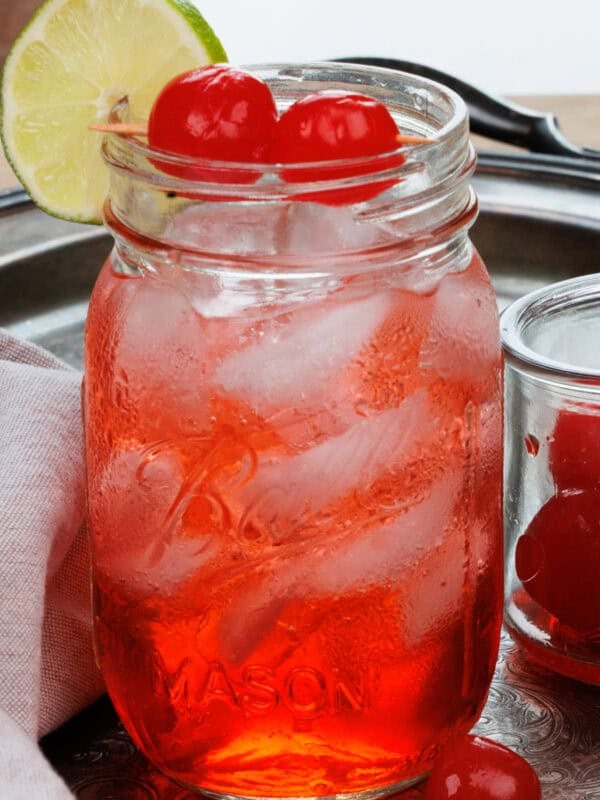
(579, 117)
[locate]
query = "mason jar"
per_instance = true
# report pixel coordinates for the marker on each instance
(552, 479)
(293, 426)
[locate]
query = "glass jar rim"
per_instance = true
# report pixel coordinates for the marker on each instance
(568, 295)
(133, 156)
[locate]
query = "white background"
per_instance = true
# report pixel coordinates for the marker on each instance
(504, 46)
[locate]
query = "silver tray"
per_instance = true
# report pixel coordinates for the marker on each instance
(539, 222)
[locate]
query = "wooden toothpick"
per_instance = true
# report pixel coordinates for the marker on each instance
(403, 138)
(124, 128)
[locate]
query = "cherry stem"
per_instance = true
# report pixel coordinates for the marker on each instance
(124, 128)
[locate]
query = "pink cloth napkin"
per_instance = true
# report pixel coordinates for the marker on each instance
(47, 670)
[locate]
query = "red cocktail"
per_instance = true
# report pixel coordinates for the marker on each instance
(293, 415)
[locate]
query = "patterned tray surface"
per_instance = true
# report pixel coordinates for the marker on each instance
(553, 722)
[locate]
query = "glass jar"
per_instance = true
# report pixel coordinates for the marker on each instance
(293, 414)
(552, 478)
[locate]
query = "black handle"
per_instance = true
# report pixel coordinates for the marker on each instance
(491, 116)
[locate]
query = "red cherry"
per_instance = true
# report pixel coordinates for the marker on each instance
(558, 558)
(336, 125)
(217, 113)
(473, 768)
(574, 451)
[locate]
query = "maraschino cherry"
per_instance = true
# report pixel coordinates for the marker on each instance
(334, 126)
(218, 113)
(574, 452)
(474, 768)
(558, 558)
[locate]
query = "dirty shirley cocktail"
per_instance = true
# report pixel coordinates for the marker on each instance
(293, 421)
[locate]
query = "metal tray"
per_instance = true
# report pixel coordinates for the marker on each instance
(539, 222)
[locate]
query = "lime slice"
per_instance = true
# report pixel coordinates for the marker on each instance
(68, 67)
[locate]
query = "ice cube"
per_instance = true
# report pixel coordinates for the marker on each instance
(383, 554)
(297, 360)
(268, 228)
(314, 228)
(240, 228)
(215, 295)
(463, 339)
(181, 560)
(224, 302)
(284, 489)
(350, 561)
(434, 598)
(162, 355)
(137, 536)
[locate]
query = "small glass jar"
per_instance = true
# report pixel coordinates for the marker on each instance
(551, 342)
(293, 426)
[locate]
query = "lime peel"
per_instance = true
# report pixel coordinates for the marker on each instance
(69, 65)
